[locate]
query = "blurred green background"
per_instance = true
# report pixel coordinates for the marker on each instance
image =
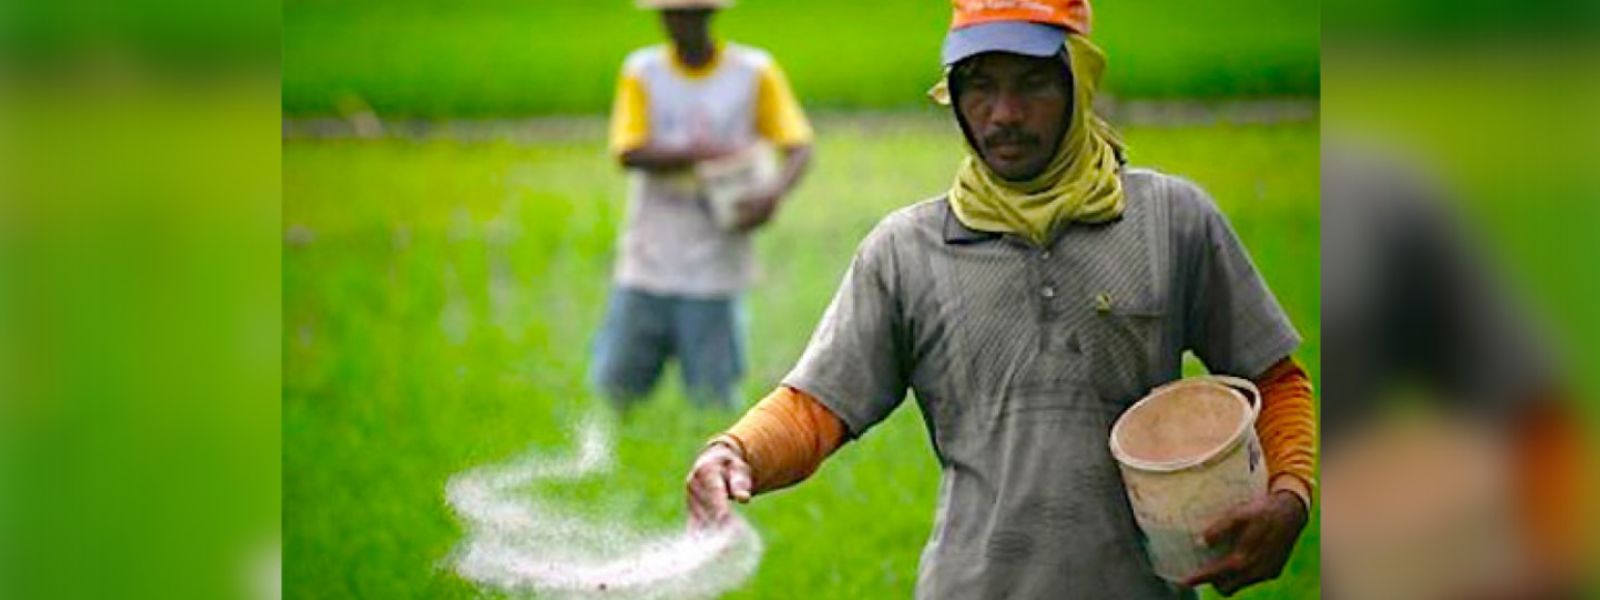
(439, 293)
(516, 57)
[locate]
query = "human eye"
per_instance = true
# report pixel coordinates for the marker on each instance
(1036, 82)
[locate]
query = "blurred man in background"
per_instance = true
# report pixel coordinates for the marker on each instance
(1045, 293)
(679, 271)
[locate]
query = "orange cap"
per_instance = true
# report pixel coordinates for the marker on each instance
(1073, 15)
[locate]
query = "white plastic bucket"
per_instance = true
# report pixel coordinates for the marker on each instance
(1188, 452)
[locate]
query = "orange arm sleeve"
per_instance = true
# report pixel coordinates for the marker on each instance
(1288, 429)
(785, 437)
(1553, 492)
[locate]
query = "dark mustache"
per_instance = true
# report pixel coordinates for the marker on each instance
(1010, 135)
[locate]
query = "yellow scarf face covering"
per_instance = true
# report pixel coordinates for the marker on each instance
(1080, 184)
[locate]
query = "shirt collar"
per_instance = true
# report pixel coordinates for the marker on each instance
(717, 51)
(956, 232)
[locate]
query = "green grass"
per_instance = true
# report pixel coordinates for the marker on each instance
(513, 57)
(440, 318)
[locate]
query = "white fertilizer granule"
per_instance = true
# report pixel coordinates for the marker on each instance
(518, 545)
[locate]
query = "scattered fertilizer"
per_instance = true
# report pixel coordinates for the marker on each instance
(518, 545)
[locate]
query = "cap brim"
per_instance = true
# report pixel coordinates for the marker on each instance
(1017, 37)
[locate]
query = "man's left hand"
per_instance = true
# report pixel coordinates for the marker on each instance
(1260, 533)
(758, 208)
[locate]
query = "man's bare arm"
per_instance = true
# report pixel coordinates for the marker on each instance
(653, 158)
(764, 203)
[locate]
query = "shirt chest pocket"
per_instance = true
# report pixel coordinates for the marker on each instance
(1123, 321)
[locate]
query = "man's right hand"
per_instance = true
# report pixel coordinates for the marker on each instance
(719, 473)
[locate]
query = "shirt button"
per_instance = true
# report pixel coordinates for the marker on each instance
(1048, 292)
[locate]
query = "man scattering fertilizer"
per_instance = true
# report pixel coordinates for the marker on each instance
(679, 108)
(1050, 288)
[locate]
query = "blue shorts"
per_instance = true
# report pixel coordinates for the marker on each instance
(642, 330)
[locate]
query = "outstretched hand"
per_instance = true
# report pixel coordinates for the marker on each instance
(1260, 534)
(719, 474)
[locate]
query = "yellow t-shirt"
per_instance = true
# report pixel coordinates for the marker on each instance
(740, 83)
(670, 243)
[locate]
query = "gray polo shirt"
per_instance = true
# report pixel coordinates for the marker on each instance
(1020, 358)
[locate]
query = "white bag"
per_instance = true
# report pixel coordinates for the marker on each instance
(727, 181)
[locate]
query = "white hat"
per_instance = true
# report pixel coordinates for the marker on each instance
(669, 4)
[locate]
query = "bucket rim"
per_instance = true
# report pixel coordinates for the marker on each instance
(1243, 389)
